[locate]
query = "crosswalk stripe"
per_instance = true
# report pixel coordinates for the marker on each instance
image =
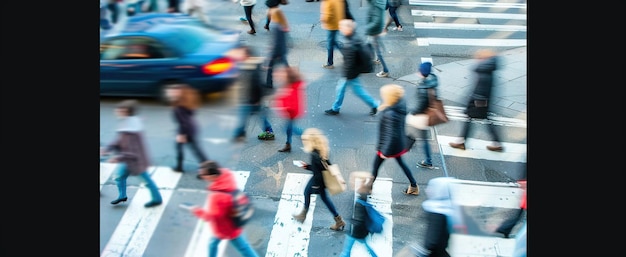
(468, 26)
(136, 227)
(289, 237)
(468, 4)
(476, 149)
(199, 243)
(476, 15)
(480, 246)
(491, 194)
(106, 170)
(493, 42)
(458, 113)
(382, 243)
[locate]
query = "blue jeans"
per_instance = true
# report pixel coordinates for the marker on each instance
(245, 110)
(239, 243)
(394, 16)
(291, 129)
(347, 247)
(309, 190)
(331, 43)
(122, 174)
(355, 83)
(426, 146)
(376, 43)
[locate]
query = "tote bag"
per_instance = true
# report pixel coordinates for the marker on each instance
(333, 180)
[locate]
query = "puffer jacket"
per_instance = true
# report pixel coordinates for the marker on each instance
(484, 78)
(422, 93)
(375, 17)
(351, 67)
(391, 133)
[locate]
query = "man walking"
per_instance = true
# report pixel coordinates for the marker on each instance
(374, 28)
(331, 12)
(352, 69)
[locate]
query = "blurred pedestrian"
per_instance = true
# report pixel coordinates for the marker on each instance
(278, 44)
(440, 212)
(427, 85)
(374, 29)
(251, 94)
(316, 144)
(351, 70)
(198, 9)
(185, 101)
(290, 100)
(173, 6)
(487, 64)
(128, 149)
(507, 226)
(331, 12)
(392, 6)
(391, 133)
(134, 7)
(114, 8)
(270, 4)
(358, 226)
(221, 181)
(248, 6)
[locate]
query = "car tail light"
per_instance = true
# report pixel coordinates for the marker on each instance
(218, 66)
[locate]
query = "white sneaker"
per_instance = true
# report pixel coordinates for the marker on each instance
(377, 61)
(382, 74)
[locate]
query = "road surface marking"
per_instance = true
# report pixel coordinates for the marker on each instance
(199, 243)
(480, 246)
(426, 41)
(477, 149)
(472, 15)
(468, 4)
(468, 26)
(132, 234)
(490, 194)
(106, 170)
(382, 243)
(289, 237)
(458, 113)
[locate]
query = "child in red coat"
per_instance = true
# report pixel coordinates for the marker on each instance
(290, 100)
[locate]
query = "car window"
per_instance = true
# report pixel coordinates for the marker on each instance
(189, 38)
(134, 48)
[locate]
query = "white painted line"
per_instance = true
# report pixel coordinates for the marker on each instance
(106, 170)
(217, 140)
(382, 243)
(458, 113)
(427, 59)
(480, 246)
(136, 227)
(426, 41)
(473, 15)
(467, 4)
(465, 194)
(466, 26)
(477, 149)
(289, 237)
(199, 243)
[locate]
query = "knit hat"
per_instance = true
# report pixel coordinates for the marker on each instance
(425, 68)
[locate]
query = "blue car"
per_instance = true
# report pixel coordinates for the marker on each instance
(153, 51)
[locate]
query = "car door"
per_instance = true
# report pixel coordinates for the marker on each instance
(111, 81)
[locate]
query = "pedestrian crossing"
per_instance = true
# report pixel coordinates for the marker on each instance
(135, 230)
(502, 20)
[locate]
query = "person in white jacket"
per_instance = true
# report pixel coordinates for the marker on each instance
(197, 8)
(248, 5)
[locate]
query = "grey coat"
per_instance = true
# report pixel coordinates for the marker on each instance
(129, 147)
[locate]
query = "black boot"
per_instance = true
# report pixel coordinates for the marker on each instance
(286, 148)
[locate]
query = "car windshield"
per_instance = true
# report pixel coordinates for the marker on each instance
(188, 38)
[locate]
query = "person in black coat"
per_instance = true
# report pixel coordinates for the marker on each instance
(488, 63)
(440, 212)
(391, 133)
(358, 226)
(429, 81)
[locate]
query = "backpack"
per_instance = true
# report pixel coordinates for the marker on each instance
(365, 54)
(375, 220)
(242, 209)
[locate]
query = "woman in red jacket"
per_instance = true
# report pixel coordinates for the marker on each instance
(290, 101)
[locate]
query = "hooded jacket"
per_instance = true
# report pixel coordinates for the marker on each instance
(219, 205)
(375, 17)
(391, 132)
(331, 12)
(129, 145)
(431, 81)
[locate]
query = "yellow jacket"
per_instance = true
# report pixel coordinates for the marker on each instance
(331, 12)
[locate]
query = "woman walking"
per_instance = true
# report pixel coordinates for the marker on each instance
(392, 6)
(290, 101)
(278, 43)
(316, 144)
(185, 101)
(248, 5)
(391, 133)
(359, 231)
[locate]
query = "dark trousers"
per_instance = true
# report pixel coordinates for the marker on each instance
(394, 16)
(270, 68)
(248, 11)
(180, 154)
(378, 161)
(507, 226)
(492, 130)
(321, 191)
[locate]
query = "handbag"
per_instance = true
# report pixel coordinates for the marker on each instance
(477, 109)
(333, 180)
(435, 111)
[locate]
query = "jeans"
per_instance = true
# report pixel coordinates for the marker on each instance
(347, 247)
(377, 45)
(180, 154)
(407, 172)
(122, 174)
(355, 83)
(331, 43)
(308, 191)
(239, 243)
(426, 146)
(245, 110)
(248, 11)
(291, 129)
(492, 130)
(394, 16)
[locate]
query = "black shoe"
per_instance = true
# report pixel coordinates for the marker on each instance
(152, 204)
(331, 112)
(285, 149)
(177, 169)
(119, 200)
(373, 111)
(423, 164)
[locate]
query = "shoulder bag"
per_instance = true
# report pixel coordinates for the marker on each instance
(333, 180)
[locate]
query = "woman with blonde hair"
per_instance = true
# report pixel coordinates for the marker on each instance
(316, 143)
(185, 101)
(391, 133)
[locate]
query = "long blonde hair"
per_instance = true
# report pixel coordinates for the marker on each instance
(390, 95)
(314, 139)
